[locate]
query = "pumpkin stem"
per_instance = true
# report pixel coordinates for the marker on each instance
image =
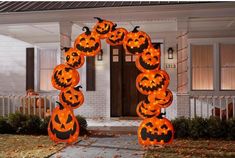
(78, 88)
(88, 32)
(65, 49)
(114, 27)
(136, 29)
(99, 19)
(60, 105)
(160, 115)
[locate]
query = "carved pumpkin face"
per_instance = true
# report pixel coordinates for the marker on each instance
(117, 36)
(147, 83)
(74, 59)
(64, 76)
(63, 126)
(146, 109)
(103, 27)
(148, 60)
(136, 41)
(162, 99)
(155, 131)
(88, 43)
(72, 97)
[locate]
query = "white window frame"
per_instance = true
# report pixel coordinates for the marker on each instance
(216, 72)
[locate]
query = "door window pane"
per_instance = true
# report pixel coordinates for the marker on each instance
(202, 67)
(227, 66)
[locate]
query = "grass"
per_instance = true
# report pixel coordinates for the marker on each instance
(194, 148)
(27, 146)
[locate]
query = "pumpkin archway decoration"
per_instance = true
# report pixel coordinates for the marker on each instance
(153, 82)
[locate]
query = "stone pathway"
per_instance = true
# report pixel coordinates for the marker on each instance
(122, 146)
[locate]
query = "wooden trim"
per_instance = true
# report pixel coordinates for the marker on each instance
(90, 74)
(29, 68)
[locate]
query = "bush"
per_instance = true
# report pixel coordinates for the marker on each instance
(83, 125)
(181, 126)
(17, 122)
(44, 125)
(231, 129)
(5, 127)
(198, 128)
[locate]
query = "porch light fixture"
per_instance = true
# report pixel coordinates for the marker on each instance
(170, 53)
(100, 55)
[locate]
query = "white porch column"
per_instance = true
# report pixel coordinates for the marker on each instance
(65, 37)
(183, 81)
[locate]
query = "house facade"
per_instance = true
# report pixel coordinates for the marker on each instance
(201, 68)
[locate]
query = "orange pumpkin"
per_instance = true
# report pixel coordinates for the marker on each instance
(147, 83)
(63, 125)
(148, 60)
(103, 27)
(146, 109)
(72, 97)
(162, 99)
(88, 43)
(136, 42)
(64, 77)
(74, 59)
(117, 36)
(155, 131)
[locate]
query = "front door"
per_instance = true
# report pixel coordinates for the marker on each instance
(124, 95)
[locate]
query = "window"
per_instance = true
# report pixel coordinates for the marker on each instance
(202, 67)
(227, 66)
(47, 62)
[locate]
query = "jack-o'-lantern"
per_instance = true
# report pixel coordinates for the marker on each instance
(146, 109)
(148, 60)
(155, 131)
(64, 76)
(63, 125)
(72, 97)
(162, 99)
(103, 27)
(88, 43)
(74, 59)
(117, 36)
(136, 41)
(147, 83)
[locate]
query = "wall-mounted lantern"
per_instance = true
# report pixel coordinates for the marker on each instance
(170, 53)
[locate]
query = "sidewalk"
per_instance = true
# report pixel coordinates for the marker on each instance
(125, 146)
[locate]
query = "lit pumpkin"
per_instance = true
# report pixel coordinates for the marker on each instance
(88, 43)
(146, 109)
(103, 27)
(147, 83)
(74, 59)
(155, 131)
(63, 125)
(117, 36)
(162, 99)
(148, 60)
(136, 41)
(72, 97)
(64, 77)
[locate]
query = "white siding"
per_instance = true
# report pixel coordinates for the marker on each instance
(12, 65)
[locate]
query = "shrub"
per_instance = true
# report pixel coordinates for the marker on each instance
(44, 125)
(5, 127)
(83, 125)
(215, 128)
(181, 127)
(17, 122)
(32, 125)
(231, 129)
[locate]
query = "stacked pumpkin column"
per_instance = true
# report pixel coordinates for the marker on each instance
(152, 82)
(63, 125)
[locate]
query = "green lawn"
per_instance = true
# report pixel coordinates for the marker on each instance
(194, 148)
(27, 146)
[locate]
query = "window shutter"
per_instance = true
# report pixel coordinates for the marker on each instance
(90, 73)
(29, 68)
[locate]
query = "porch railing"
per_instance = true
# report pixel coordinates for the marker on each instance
(32, 105)
(206, 106)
